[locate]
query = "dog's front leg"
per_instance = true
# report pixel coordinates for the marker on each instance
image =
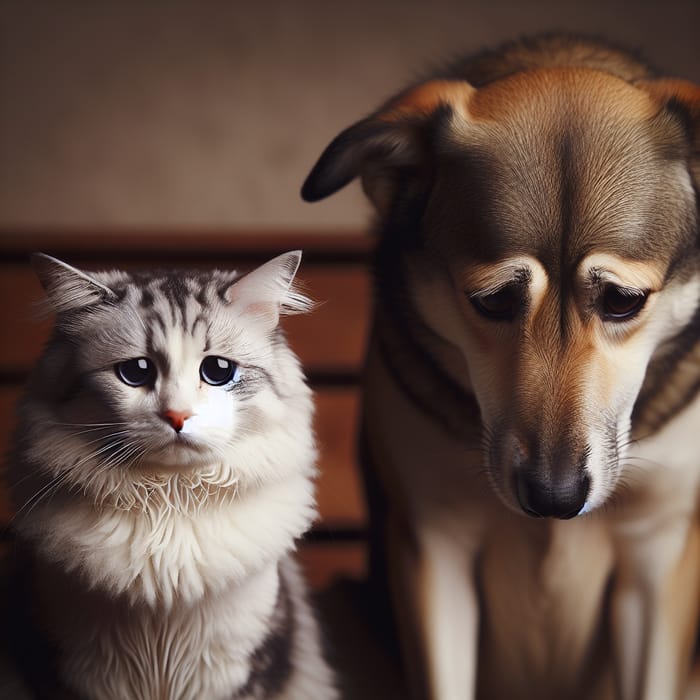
(639, 649)
(448, 616)
(648, 646)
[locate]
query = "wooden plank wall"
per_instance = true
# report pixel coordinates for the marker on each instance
(330, 342)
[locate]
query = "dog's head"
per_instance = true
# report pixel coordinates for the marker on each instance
(547, 228)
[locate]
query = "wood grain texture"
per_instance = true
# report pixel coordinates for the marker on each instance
(324, 562)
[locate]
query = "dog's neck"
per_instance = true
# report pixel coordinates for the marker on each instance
(408, 349)
(672, 381)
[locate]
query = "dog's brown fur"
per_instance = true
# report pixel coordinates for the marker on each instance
(555, 178)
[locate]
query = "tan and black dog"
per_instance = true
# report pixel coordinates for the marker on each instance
(532, 403)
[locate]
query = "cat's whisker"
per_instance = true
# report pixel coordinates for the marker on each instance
(110, 436)
(131, 456)
(93, 455)
(87, 431)
(66, 439)
(117, 458)
(31, 503)
(112, 424)
(20, 481)
(126, 453)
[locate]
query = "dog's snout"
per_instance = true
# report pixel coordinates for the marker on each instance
(552, 498)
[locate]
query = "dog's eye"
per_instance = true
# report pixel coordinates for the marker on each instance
(502, 305)
(621, 303)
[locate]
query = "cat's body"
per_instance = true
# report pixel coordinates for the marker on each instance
(162, 471)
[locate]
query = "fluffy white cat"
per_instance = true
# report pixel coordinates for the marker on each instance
(163, 468)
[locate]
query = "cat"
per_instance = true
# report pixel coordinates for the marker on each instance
(162, 469)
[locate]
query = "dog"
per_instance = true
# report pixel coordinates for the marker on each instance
(531, 412)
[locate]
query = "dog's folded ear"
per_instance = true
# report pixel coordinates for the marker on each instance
(682, 99)
(394, 140)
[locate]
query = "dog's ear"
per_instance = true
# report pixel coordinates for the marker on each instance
(394, 140)
(681, 98)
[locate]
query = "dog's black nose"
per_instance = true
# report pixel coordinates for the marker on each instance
(549, 498)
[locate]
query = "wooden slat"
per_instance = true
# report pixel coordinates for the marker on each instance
(324, 562)
(22, 334)
(331, 339)
(339, 491)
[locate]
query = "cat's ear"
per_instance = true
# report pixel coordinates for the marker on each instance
(268, 291)
(67, 287)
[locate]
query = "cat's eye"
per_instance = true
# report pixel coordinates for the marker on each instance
(501, 305)
(217, 370)
(136, 372)
(622, 303)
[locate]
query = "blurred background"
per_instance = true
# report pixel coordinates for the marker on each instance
(171, 114)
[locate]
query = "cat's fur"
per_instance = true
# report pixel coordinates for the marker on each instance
(162, 563)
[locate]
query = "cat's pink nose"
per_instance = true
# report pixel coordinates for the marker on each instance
(176, 418)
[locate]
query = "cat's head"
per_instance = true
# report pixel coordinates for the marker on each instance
(170, 372)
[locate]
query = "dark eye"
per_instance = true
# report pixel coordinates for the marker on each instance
(217, 370)
(621, 303)
(502, 305)
(136, 372)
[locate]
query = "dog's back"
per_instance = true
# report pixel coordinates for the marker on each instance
(546, 51)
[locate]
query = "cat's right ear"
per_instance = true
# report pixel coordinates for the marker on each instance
(268, 291)
(67, 287)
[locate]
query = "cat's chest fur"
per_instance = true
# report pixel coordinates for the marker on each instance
(179, 605)
(168, 558)
(209, 650)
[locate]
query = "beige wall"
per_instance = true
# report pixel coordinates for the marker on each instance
(208, 114)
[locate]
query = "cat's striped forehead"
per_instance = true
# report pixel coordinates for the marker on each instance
(175, 296)
(113, 316)
(154, 312)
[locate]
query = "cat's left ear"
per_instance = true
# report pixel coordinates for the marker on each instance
(268, 291)
(67, 287)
